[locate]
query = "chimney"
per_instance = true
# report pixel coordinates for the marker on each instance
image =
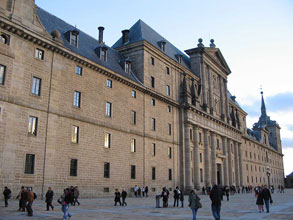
(125, 36)
(101, 29)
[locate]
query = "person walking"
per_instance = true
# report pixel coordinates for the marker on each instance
(215, 196)
(7, 195)
(194, 203)
(49, 198)
(65, 200)
(117, 197)
(75, 196)
(267, 197)
(176, 196)
(259, 202)
(124, 195)
(135, 190)
(165, 195)
(146, 190)
(22, 196)
(30, 199)
(143, 191)
(227, 192)
(181, 197)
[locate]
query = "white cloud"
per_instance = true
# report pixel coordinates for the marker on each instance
(288, 162)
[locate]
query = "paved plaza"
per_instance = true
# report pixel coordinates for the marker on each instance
(240, 206)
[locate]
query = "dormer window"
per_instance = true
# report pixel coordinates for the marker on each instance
(163, 45)
(4, 39)
(127, 66)
(74, 38)
(103, 53)
(179, 58)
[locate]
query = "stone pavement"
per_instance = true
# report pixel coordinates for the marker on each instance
(240, 206)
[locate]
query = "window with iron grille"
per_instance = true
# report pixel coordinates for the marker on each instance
(73, 167)
(106, 170)
(2, 74)
(29, 164)
(36, 86)
(33, 125)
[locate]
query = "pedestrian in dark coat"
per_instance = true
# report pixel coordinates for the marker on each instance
(7, 195)
(117, 197)
(181, 197)
(227, 191)
(124, 195)
(30, 199)
(165, 195)
(146, 190)
(215, 196)
(259, 202)
(267, 197)
(49, 198)
(76, 195)
(193, 200)
(176, 196)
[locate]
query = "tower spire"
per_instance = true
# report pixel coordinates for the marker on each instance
(263, 106)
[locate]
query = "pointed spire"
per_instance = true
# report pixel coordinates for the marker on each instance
(263, 106)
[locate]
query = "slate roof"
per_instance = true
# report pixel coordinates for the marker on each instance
(86, 44)
(290, 175)
(141, 31)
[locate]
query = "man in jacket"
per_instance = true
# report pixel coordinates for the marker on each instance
(30, 200)
(76, 195)
(215, 196)
(176, 196)
(7, 195)
(49, 198)
(124, 195)
(267, 197)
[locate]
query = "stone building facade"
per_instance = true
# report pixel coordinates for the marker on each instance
(74, 111)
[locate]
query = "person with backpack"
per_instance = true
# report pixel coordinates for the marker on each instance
(194, 203)
(7, 195)
(65, 200)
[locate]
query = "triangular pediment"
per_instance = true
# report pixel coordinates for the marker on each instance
(217, 57)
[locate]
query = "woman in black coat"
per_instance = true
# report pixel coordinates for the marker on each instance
(117, 197)
(259, 202)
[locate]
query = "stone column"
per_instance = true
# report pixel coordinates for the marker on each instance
(226, 100)
(230, 162)
(188, 180)
(204, 92)
(210, 90)
(225, 162)
(206, 158)
(240, 164)
(221, 98)
(196, 158)
(213, 159)
(236, 158)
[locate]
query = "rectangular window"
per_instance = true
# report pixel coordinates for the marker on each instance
(190, 134)
(103, 54)
(36, 86)
(133, 172)
(201, 175)
(168, 90)
(33, 125)
(200, 157)
(75, 134)
(133, 94)
(218, 144)
(153, 102)
(109, 83)
(170, 174)
(39, 54)
(127, 67)
(2, 74)
(167, 70)
(169, 129)
(78, 70)
(133, 145)
(29, 164)
(199, 135)
(170, 152)
(153, 173)
(76, 99)
(73, 167)
(169, 108)
(107, 143)
(106, 170)
(133, 117)
(152, 61)
(73, 39)
(153, 124)
(154, 149)
(153, 81)
(108, 109)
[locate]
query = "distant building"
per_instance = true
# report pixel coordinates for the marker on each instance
(289, 181)
(74, 111)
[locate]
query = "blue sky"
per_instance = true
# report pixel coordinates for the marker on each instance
(255, 37)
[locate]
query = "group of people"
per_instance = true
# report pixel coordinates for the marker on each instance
(118, 197)
(263, 195)
(144, 190)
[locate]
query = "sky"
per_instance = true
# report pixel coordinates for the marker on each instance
(255, 37)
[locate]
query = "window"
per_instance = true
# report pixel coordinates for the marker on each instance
(132, 172)
(108, 109)
(39, 54)
(4, 39)
(133, 145)
(201, 175)
(199, 134)
(29, 164)
(133, 94)
(2, 74)
(78, 70)
(103, 54)
(106, 170)
(167, 70)
(152, 61)
(153, 102)
(75, 134)
(127, 67)
(73, 167)
(107, 143)
(169, 129)
(76, 99)
(170, 174)
(74, 38)
(153, 81)
(190, 134)
(170, 152)
(153, 173)
(36, 86)
(168, 90)
(218, 144)
(109, 83)
(153, 124)
(200, 157)
(106, 190)
(179, 58)
(154, 149)
(133, 117)
(247, 167)
(169, 108)
(33, 125)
